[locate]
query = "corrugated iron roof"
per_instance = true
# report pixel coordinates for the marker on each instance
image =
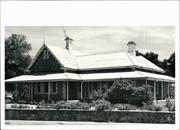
(90, 77)
(45, 77)
(76, 60)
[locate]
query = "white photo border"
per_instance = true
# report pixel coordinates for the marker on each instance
(90, 13)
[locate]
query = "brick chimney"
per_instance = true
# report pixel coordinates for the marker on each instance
(131, 48)
(68, 43)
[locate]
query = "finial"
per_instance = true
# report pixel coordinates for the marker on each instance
(65, 35)
(44, 40)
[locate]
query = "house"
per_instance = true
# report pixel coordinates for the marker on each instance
(67, 74)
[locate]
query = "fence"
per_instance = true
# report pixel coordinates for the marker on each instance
(91, 115)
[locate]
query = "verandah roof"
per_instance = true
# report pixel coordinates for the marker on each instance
(127, 75)
(90, 77)
(45, 77)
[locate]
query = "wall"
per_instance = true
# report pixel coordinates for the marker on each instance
(91, 115)
(53, 96)
(49, 65)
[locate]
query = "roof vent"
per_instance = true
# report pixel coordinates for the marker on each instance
(131, 48)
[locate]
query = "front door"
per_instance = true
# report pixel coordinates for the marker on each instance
(73, 90)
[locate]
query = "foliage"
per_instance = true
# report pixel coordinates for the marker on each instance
(21, 93)
(170, 104)
(122, 91)
(152, 107)
(140, 95)
(22, 106)
(46, 105)
(102, 105)
(96, 95)
(99, 94)
(167, 64)
(16, 55)
(151, 56)
(72, 105)
(119, 92)
(125, 107)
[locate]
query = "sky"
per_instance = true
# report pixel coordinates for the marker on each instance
(96, 39)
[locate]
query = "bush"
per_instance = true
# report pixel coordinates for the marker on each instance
(119, 92)
(44, 105)
(151, 107)
(122, 91)
(170, 104)
(140, 95)
(82, 105)
(72, 105)
(96, 95)
(157, 108)
(102, 105)
(125, 107)
(21, 106)
(14, 106)
(99, 94)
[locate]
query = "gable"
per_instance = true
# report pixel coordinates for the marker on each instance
(46, 63)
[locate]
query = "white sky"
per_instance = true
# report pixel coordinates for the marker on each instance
(90, 39)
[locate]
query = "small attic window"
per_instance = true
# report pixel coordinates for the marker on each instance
(45, 54)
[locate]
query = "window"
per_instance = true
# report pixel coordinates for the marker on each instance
(45, 86)
(79, 87)
(45, 54)
(54, 87)
(38, 87)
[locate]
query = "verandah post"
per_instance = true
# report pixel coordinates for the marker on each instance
(168, 90)
(67, 92)
(16, 85)
(31, 90)
(81, 90)
(161, 90)
(146, 82)
(155, 90)
(49, 89)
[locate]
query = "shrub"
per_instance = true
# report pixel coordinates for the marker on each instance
(24, 106)
(125, 107)
(119, 92)
(122, 91)
(82, 105)
(14, 106)
(99, 94)
(140, 95)
(152, 107)
(157, 108)
(43, 105)
(102, 105)
(72, 105)
(21, 106)
(96, 95)
(170, 104)
(62, 105)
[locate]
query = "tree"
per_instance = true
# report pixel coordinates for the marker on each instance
(17, 56)
(167, 64)
(151, 56)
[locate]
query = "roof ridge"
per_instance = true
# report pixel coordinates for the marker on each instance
(100, 53)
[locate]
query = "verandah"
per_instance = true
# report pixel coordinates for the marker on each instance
(79, 90)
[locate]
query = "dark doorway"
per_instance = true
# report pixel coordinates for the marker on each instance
(73, 90)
